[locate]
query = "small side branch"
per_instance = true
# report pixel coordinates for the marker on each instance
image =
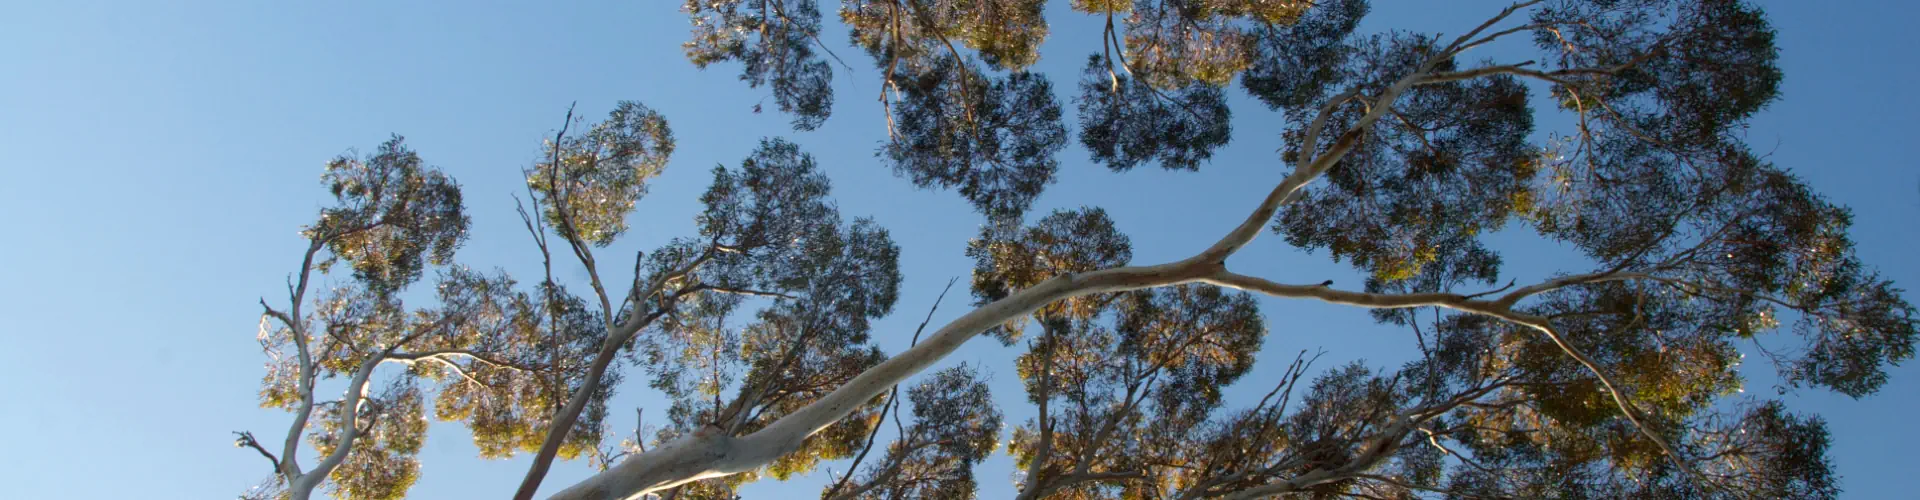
(244, 439)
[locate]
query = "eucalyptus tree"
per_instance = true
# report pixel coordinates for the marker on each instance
(531, 370)
(1615, 377)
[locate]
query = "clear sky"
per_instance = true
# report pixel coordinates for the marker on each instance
(159, 157)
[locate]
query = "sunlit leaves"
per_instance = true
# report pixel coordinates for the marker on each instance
(694, 358)
(771, 237)
(382, 464)
(1197, 339)
(1123, 387)
(1175, 43)
(527, 360)
(1703, 250)
(1008, 259)
(280, 387)
(991, 138)
(1124, 122)
(599, 174)
(1757, 450)
(1006, 33)
(353, 324)
(1296, 65)
(1769, 451)
(1775, 247)
(394, 216)
(956, 426)
(774, 41)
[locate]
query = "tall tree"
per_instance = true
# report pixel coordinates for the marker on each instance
(1616, 377)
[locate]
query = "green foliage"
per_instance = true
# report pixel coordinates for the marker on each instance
(1436, 175)
(1008, 259)
(536, 348)
(395, 215)
(826, 280)
(1555, 435)
(1123, 386)
(956, 426)
(776, 197)
(382, 463)
(993, 139)
(1124, 122)
(1006, 33)
(774, 42)
(1700, 247)
(600, 174)
(1295, 66)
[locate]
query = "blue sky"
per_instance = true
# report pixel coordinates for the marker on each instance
(159, 157)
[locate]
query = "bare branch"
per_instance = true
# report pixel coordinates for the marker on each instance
(581, 249)
(747, 292)
(245, 439)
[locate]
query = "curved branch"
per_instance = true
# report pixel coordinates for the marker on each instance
(245, 439)
(291, 448)
(701, 457)
(1501, 309)
(349, 415)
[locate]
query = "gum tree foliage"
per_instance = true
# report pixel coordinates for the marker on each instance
(1617, 377)
(775, 43)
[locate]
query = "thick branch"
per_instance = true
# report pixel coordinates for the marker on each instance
(563, 421)
(616, 337)
(349, 416)
(721, 455)
(1043, 445)
(442, 353)
(290, 450)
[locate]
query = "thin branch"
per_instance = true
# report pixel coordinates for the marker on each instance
(245, 439)
(1461, 43)
(581, 249)
(1500, 309)
(893, 400)
(1493, 291)
(813, 35)
(958, 62)
(1620, 398)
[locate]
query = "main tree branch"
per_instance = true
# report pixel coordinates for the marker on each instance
(707, 455)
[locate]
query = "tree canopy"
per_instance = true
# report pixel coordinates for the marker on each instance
(1615, 378)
